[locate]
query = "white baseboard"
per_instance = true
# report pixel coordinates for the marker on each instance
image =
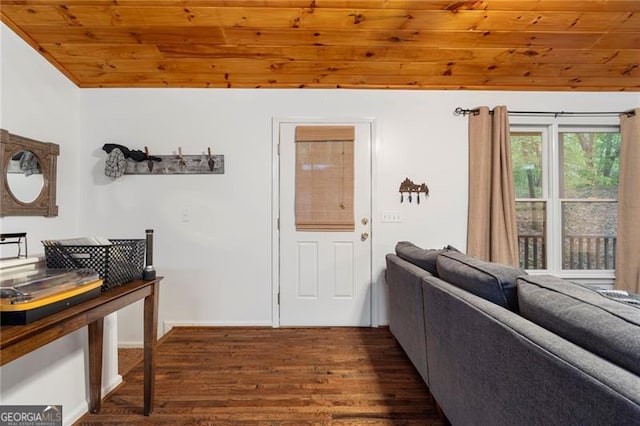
(135, 344)
(72, 416)
(69, 417)
(168, 325)
(130, 345)
(111, 386)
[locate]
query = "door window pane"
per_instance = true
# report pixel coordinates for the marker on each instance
(589, 235)
(324, 178)
(532, 228)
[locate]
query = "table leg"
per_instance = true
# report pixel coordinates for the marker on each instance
(96, 332)
(150, 341)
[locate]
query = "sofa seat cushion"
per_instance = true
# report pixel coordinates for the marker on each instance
(621, 296)
(600, 324)
(423, 258)
(491, 281)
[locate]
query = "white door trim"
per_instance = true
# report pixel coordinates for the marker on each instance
(275, 207)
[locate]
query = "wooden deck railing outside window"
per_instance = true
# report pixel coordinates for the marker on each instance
(579, 252)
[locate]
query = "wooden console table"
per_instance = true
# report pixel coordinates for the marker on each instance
(19, 340)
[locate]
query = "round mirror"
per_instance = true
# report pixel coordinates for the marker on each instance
(24, 176)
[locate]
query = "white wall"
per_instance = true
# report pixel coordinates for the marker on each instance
(218, 265)
(39, 102)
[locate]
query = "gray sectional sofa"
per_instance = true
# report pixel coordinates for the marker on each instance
(496, 346)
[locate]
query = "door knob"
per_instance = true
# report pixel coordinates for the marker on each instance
(364, 236)
(364, 221)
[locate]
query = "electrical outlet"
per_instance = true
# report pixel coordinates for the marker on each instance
(391, 217)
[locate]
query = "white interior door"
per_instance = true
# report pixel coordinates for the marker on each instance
(325, 277)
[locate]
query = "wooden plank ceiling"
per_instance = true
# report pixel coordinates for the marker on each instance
(382, 44)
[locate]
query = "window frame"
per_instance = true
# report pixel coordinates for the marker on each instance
(550, 129)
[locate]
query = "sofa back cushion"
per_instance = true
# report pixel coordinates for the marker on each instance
(491, 281)
(604, 326)
(423, 258)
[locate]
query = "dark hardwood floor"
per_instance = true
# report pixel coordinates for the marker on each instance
(283, 376)
(128, 358)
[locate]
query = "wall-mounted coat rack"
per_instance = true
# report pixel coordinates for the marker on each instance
(176, 164)
(409, 187)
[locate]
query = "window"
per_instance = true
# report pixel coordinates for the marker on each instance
(566, 184)
(324, 178)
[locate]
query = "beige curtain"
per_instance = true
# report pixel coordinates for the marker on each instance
(492, 232)
(628, 248)
(324, 178)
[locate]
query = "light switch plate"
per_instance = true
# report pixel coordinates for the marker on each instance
(391, 217)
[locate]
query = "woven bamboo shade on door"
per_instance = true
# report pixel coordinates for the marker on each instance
(324, 178)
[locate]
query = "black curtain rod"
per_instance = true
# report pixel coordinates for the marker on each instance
(631, 113)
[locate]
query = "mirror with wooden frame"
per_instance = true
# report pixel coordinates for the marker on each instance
(28, 176)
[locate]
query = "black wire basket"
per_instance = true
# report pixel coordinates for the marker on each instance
(120, 262)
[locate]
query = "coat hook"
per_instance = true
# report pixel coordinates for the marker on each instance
(409, 187)
(149, 161)
(182, 162)
(211, 163)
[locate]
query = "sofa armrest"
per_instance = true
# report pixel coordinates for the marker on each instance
(406, 319)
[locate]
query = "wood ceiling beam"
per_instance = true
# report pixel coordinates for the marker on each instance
(369, 54)
(449, 5)
(108, 79)
(268, 37)
(265, 69)
(322, 19)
